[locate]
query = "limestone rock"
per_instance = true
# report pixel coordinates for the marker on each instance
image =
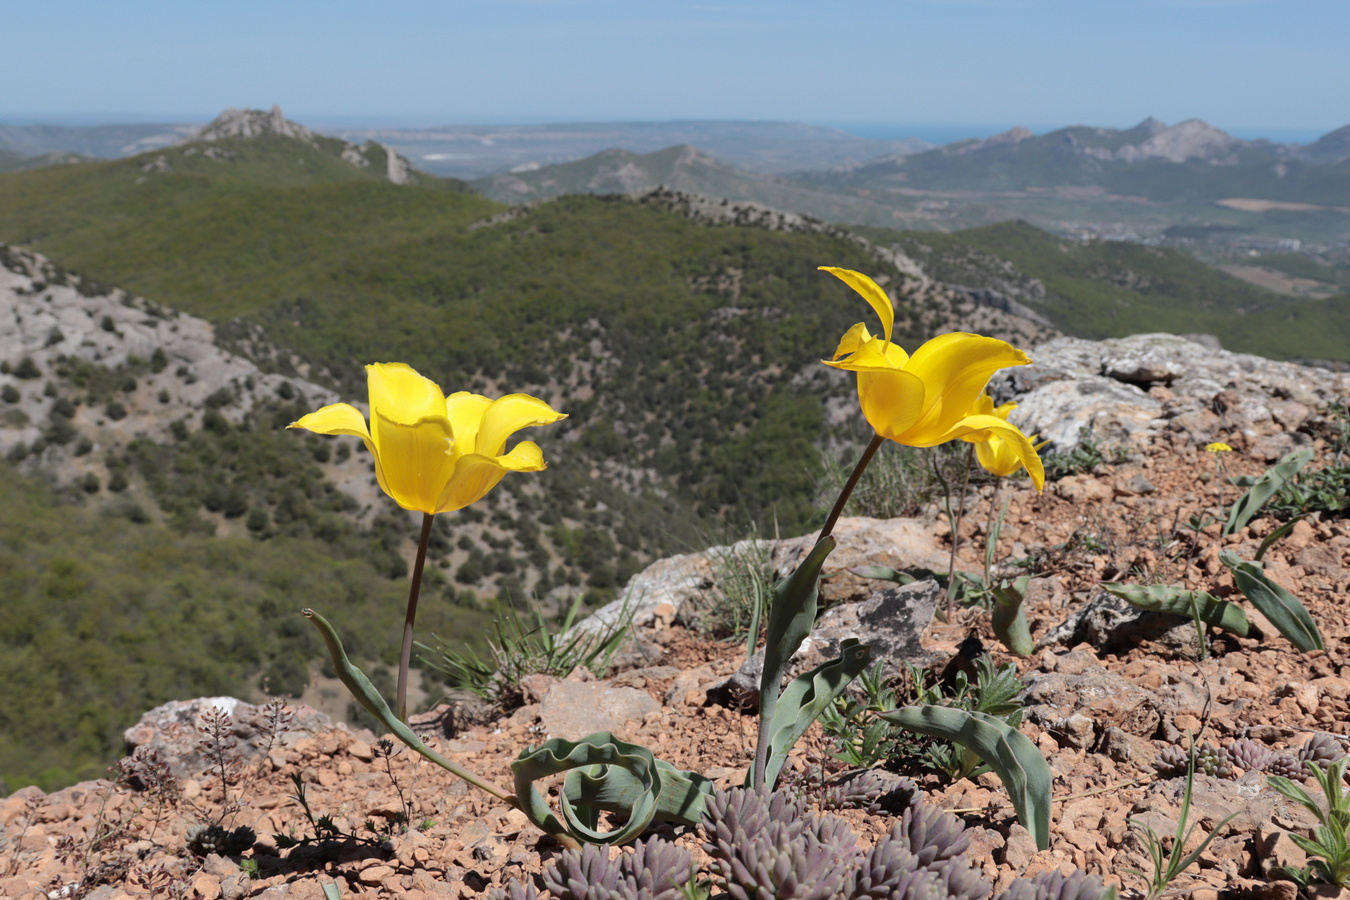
(890, 622)
(572, 709)
(171, 729)
(1130, 390)
(684, 583)
(1053, 700)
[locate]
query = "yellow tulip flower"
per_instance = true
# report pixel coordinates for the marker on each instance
(996, 455)
(435, 453)
(926, 399)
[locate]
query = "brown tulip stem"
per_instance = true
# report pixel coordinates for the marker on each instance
(405, 654)
(852, 482)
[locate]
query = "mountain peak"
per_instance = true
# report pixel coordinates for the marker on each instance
(1192, 139)
(250, 123)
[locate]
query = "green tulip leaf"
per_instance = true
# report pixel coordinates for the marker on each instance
(366, 694)
(1008, 752)
(1178, 601)
(605, 773)
(792, 612)
(805, 698)
(1276, 604)
(883, 573)
(1263, 488)
(1009, 619)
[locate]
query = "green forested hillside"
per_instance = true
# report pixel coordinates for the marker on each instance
(104, 618)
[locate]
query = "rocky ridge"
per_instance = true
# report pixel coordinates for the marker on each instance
(254, 123)
(58, 333)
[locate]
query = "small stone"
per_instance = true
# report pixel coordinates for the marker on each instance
(1140, 485)
(375, 875)
(206, 887)
(361, 750)
(1076, 731)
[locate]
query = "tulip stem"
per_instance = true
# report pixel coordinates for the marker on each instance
(852, 482)
(954, 520)
(405, 654)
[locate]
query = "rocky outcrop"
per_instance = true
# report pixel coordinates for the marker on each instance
(1192, 139)
(1129, 391)
(254, 123)
(251, 123)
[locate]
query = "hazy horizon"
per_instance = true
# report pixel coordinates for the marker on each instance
(932, 132)
(945, 68)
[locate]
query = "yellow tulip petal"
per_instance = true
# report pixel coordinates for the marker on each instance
(955, 369)
(1018, 444)
(465, 411)
(871, 292)
(509, 414)
(413, 461)
(336, 418)
(871, 356)
(891, 401)
(399, 394)
(984, 406)
(997, 456)
(854, 338)
(475, 475)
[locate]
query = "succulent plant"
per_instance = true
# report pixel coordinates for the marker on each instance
(655, 870)
(1053, 885)
(766, 847)
(1320, 750)
(1209, 759)
(870, 790)
(1214, 761)
(891, 871)
(1287, 766)
(1248, 754)
(514, 891)
(204, 840)
(933, 834)
(1172, 760)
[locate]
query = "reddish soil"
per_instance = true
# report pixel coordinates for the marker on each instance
(1084, 529)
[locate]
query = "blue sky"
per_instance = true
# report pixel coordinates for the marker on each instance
(1250, 66)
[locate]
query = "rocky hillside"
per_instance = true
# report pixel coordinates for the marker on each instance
(1107, 695)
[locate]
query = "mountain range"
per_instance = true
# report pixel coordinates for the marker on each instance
(1133, 183)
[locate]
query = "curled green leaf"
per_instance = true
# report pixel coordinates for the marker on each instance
(605, 773)
(1267, 485)
(1008, 752)
(1282, 608)
(1179, 601)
